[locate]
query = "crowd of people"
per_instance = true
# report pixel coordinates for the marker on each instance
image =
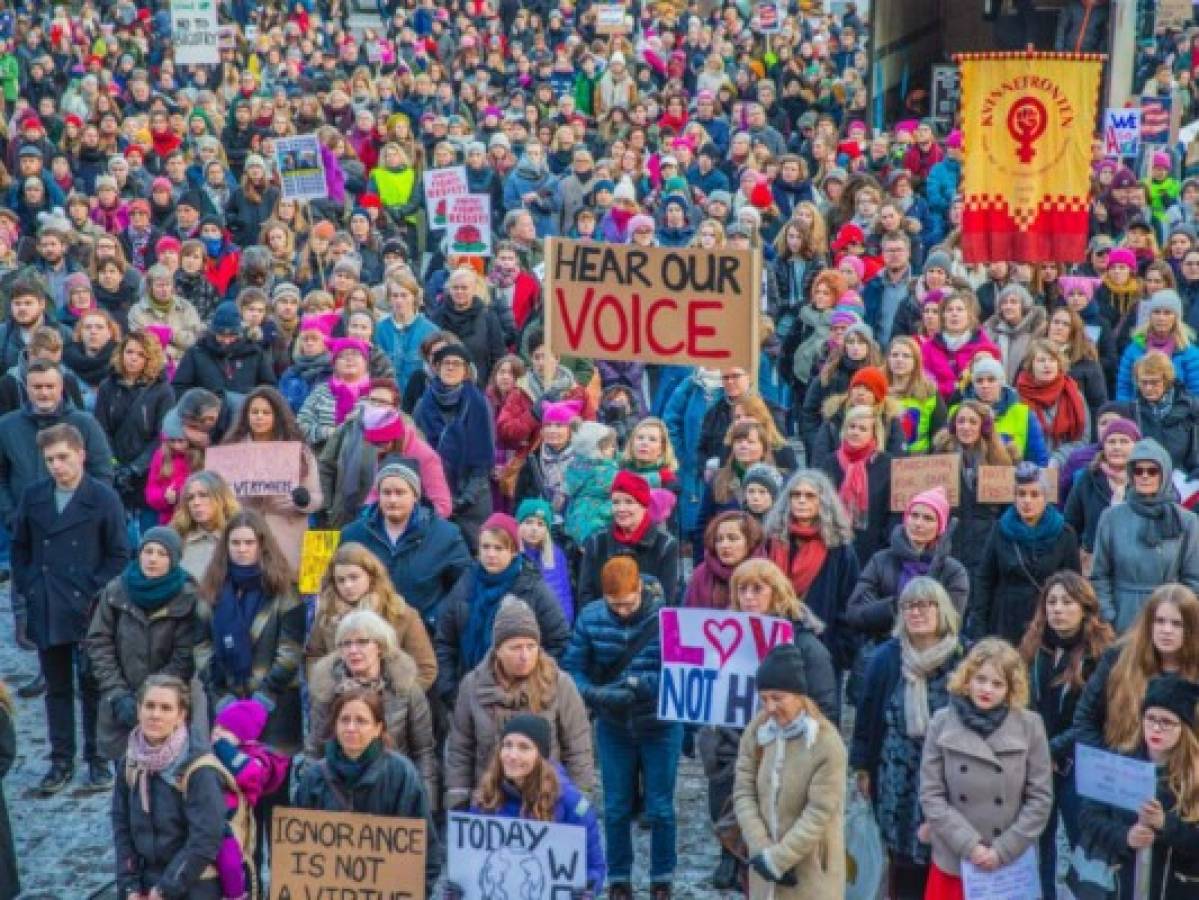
(511, 520)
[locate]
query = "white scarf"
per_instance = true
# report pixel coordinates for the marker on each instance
(917, 666)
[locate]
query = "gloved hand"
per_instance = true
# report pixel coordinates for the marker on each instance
(300, 495)
(124, 709)
(452, 891)
(263, 700)
(123, 478)
(614, 698)
(787, 879)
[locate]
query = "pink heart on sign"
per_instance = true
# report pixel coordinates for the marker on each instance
(725, 636)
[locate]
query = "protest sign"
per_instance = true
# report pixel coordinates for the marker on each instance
(1018, 880)
(1113, 779)
(330, 854)
(492, 857)
(1122, 133)
(301, 170)
(609, 19)
(468, 224)
(440, 185)
(653, 304)
(946, 93)
(769, 20)
(1175, 14)
(315, 553)
(710, 662)
(916, 474)
(997, 484)
(1157, 120)
(267, 469)
(194, 32)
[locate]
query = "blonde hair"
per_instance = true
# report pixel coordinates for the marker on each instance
(381, 597)
(1004, 657)
(668, 460)
(755, 407)
(919, 386)
(783, 602)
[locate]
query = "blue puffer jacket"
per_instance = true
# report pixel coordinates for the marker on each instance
(940, 189)
(599, 640)
(572, 808)
(557, 580)
(424, 563)
(684, 417)
(529, 179)
(402, 343)
(1186, 368)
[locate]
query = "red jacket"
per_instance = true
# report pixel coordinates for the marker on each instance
(222, 270)
(526, 295)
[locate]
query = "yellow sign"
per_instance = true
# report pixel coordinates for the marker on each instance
(315, 554)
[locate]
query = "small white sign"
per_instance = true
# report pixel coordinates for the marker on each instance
(1113, 779)
(1019, 880)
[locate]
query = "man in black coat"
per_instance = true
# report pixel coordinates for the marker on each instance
(735, 384)
(69, 540)
(224, 361)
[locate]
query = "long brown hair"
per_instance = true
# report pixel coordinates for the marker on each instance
(1080, 346)
(538, 794)
(381, 597)
(725, 482)
(372, 699)
(276, 571)
(1139, 661)
(538, 689)
(1097, 634)
(995, 451)
(1182, 774)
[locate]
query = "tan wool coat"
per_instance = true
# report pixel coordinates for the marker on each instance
(790, 800)
(996, 791)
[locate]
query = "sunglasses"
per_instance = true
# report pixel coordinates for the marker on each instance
(1145, 471)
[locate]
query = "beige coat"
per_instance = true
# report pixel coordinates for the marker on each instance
(198, 549)
(484, 706)
(286, 521)
(997, 791)
(411, 635)
(182, 319)
(790, 800)
(409, 722)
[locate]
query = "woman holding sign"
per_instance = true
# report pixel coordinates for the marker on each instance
(265, 416)
(789, 793)
(1167, 824)
(986, 779)
(521, 781)
(360, 773)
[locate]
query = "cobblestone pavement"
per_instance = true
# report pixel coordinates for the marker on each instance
(64, 843)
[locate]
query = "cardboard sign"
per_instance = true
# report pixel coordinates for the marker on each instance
(491, 857)
(997, 484)
(1018, 880)
(914, 475)
(268, 469)
(609, 19)
(1122, 133)
(1119, 781)
(710, 661)
(468, 224)
(653, 304)
(301, 169)
(1174, 14)
(329, 854)
(315, 554)
(194, 32)
(440, 185)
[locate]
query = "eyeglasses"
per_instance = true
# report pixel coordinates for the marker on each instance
(917, 605)
(733, 376)
(1145, 471)
(1154, 723)
(354, 644)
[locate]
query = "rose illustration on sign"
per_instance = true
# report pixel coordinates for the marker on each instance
(724, 636)
(468, 239)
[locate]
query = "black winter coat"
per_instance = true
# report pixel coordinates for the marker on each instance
(244, 218)
(657, 555)
(874, 603)
(454, 616)
(1092, 383)
(60, 561)
(479, 330)
(879, 520)
(1009, 583)
(10, 882)
(233, 370)
(131, 416)
(1089, 497)
(1057, 703)
(1177, 429)
(1090, 712)
(391, 786)
(172, 845)
(976, 521)
(812, 414)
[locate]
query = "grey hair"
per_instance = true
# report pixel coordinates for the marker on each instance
(835, 528)
(923, 587)
(371, 625)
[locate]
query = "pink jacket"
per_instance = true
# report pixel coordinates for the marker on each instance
(157, 485)
(433, 485)
(947, 366)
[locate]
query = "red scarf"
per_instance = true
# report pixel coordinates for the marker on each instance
(855, 486)
(1071, 418)
(629, 538)
(804, 564)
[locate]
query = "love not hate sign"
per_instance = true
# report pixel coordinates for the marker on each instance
(652, 304)
(710, 662)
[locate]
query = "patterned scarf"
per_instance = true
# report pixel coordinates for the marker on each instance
(144, 760)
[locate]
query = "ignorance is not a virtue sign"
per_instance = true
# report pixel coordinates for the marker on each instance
(653, 304)
(710, 662)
